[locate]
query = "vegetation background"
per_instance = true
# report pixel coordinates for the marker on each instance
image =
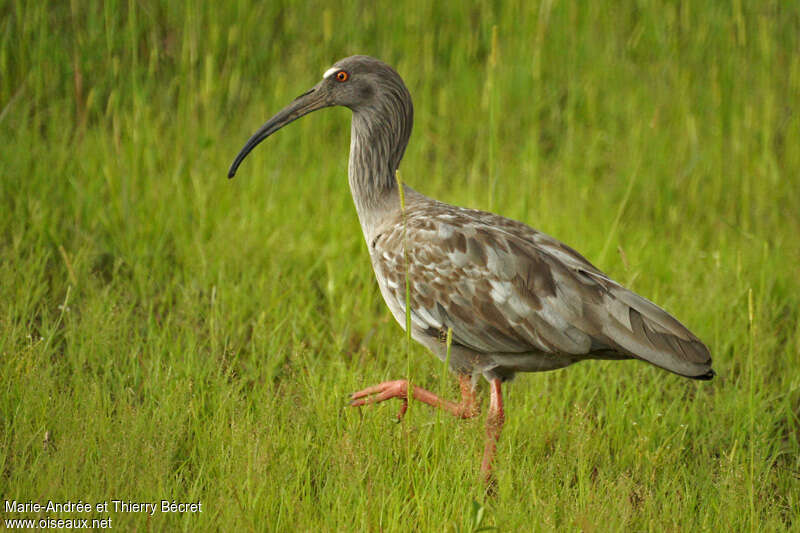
(168, 334)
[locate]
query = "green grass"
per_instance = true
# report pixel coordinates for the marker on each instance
(168, 334)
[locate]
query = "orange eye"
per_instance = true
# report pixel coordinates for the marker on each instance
(342, 76)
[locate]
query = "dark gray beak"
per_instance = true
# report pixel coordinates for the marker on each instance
(302, 105)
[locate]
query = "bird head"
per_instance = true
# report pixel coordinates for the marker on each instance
(368, 86)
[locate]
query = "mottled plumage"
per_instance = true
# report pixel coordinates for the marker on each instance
(516, 299)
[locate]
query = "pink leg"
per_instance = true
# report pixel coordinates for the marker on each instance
(494, 425)
(467, 408)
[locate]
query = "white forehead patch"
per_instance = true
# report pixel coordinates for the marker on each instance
(330, 72)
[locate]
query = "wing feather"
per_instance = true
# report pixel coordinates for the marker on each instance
(505, 288)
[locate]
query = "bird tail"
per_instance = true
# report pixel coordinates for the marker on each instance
(645, 331)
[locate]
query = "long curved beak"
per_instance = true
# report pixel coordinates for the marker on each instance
(302, 105)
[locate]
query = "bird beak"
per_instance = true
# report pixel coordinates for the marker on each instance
(302, 105)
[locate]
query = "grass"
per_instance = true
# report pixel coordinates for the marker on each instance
(168, 334)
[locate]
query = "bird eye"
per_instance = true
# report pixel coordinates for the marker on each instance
(342, 76)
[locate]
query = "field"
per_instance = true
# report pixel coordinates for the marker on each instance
(168, 334)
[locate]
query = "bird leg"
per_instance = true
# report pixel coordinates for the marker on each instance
(467, 408)
(494, 425)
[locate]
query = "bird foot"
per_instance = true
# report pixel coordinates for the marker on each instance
(467, 408)
(399, 389)
(382, 392)
(494, 425)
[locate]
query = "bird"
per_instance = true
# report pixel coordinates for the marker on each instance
(490, 295)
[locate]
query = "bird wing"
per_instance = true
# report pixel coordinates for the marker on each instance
(503, 287)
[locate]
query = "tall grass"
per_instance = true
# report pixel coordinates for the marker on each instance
(168, 334)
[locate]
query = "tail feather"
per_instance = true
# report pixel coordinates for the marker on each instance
(654, 335)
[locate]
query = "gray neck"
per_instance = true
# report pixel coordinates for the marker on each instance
(378, 139)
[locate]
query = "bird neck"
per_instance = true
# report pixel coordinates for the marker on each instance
(379, 136)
